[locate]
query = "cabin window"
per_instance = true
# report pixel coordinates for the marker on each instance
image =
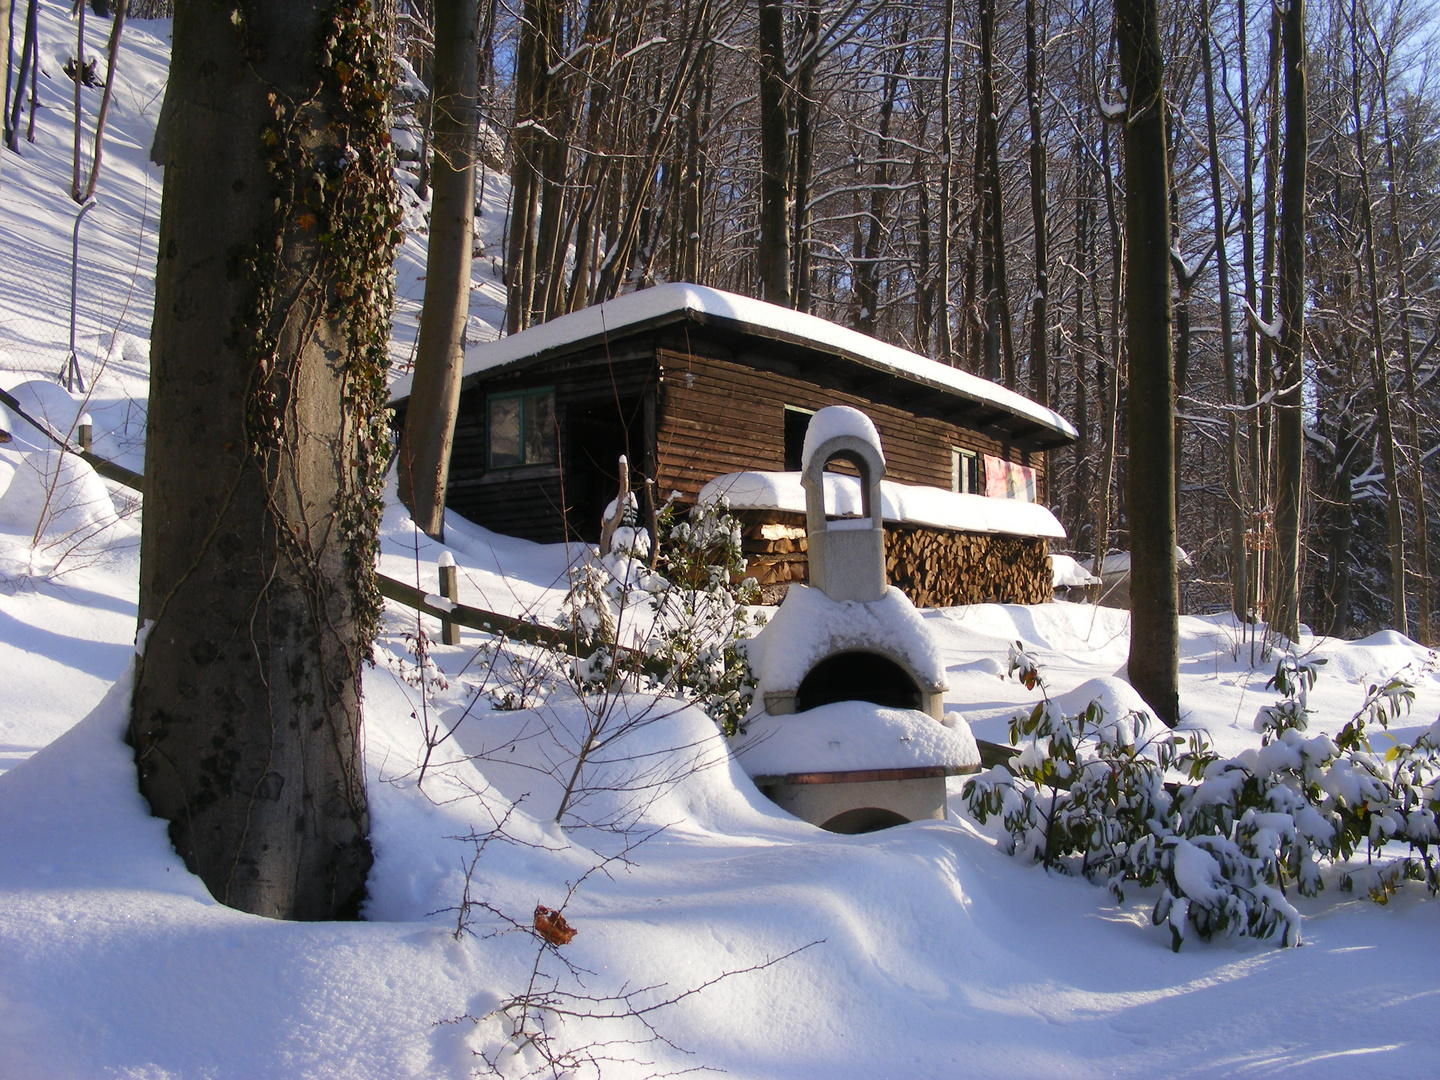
(521, 428)
(965, 472)
(797, 422)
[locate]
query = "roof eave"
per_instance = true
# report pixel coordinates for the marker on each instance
(1022, 428)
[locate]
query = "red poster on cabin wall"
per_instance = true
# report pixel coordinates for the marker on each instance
(1009, 480)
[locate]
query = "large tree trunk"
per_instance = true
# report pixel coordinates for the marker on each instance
(1289, 352)
(774, 157)
(265, 440)
(1150, 496)
(424, 465)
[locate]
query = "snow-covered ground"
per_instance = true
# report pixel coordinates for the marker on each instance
(926, 952)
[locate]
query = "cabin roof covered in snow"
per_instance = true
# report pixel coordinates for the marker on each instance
(665, 305)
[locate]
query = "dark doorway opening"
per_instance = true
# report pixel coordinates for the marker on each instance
(864, 819)
(597, 433)
(858, 676)
(797, 422)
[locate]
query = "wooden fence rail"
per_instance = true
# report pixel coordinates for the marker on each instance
(488, 622)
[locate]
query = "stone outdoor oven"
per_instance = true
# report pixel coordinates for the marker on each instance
(852, 734)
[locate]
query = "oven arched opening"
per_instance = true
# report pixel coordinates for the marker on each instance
(858, 676)
(864, 819)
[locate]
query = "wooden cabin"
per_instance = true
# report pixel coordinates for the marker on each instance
(690, 383)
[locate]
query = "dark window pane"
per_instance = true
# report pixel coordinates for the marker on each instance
(504, 431)
(539, 429)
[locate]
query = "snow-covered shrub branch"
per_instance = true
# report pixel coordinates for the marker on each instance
(1089, 793)
(686, 610)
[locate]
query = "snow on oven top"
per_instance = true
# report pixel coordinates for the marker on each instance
(809, 626)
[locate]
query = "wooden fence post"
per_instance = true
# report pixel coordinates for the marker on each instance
(450, 589)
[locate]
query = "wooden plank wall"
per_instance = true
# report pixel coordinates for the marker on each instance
(715, 416)
(526, 502)
(712, 415)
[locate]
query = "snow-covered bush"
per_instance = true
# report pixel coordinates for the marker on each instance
(1089, 793)
(676, 627)
(701, 618)
(607, 593)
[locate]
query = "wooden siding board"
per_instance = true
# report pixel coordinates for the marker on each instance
(738, 410)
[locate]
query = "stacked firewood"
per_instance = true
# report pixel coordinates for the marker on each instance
(940, 568)
(773, 542)
(934, 567)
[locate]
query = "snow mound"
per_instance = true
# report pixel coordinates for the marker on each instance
(1372, 657)
(850, 736)
(49, 403)
(1066, 573)
(1116, 696)
(61, 488)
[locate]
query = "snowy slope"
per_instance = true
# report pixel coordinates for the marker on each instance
(929, 953)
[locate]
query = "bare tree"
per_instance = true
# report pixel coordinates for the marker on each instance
(1379, 364)
(1239, 584)
(1289, 451)
(424, 465)
(1039, 322)
(1150, 495)
(1380, 60)
(774, 255)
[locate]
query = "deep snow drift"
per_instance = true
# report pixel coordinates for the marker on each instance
(929, 953)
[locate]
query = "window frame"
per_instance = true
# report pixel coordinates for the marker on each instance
(522, 395)
(958, 475)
